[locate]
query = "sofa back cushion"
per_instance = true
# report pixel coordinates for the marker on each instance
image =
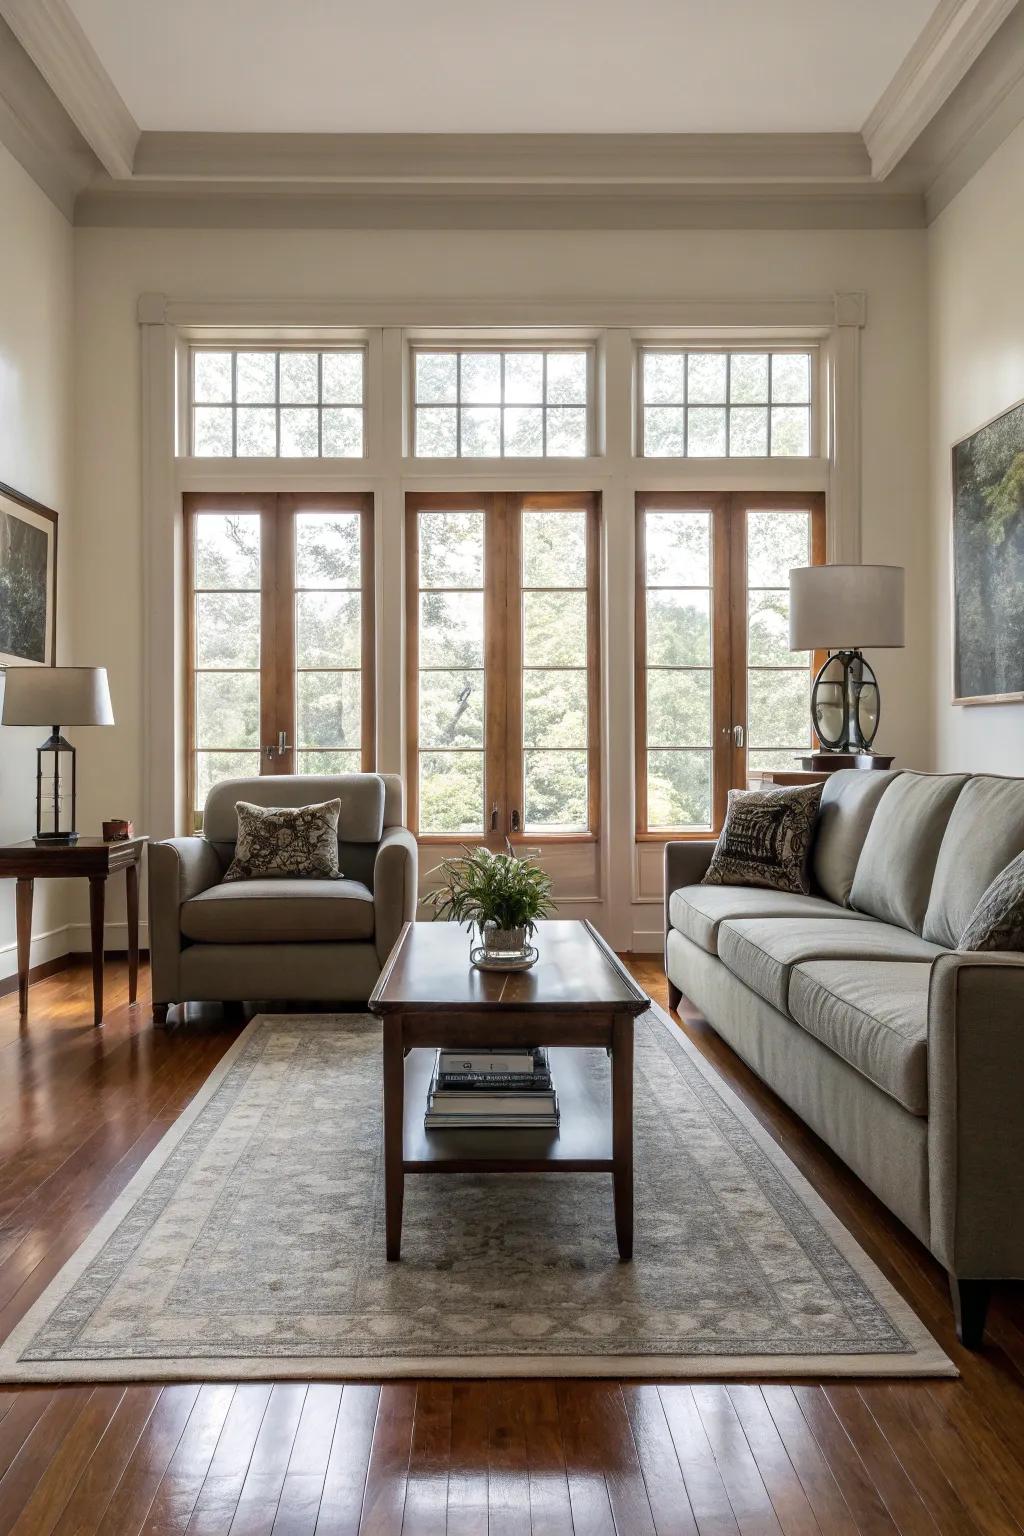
(897, 862)
(848, 804)
(983, 835)
(361, 794)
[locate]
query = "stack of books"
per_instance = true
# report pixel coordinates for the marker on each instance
(500, 1086)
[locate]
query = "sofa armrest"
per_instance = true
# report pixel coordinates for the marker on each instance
(976, 1113)
(686, 864)
(395, 887)
(179, 868)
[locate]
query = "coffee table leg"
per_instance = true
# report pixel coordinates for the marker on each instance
(394, 1122)
(622, 1130)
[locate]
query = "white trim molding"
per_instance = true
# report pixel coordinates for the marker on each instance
(844, 429)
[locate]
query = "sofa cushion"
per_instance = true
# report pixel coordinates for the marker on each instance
(279, 912)
(848, 804)
(762, 951)
(874, 1014)
(361, 795)
(697, 910)
(983, 835)
(895, 869)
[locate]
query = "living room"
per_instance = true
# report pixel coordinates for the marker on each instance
(524, 547)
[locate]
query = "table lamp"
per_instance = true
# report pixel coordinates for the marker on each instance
(841, 609)
(71, 696)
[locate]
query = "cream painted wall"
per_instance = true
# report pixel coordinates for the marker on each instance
(36, 326)
(114, 266)
(976, 328)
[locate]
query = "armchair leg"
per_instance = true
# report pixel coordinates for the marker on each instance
(970, 1305)
(160, 1013)
(674, 997)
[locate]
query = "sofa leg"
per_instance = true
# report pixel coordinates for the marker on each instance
(675, 997)
(160, 1013)
(970, 1305)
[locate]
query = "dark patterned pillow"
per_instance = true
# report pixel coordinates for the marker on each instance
(300, 842)
(766, 839)
(997, 922)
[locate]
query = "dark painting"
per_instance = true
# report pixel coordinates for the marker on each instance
(988, 561)
(27, 569)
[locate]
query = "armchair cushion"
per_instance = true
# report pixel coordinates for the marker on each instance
(294, 842)
(280, 911)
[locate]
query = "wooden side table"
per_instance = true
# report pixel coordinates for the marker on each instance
(90, 858)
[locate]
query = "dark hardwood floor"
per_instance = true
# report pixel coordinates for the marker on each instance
(80, 1109)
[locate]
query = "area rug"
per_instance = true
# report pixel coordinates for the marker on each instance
(250, 1245)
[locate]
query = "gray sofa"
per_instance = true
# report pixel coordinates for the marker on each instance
(315, 940)
(854, 1005)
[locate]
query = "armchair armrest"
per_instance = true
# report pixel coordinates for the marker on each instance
(395, 888)
(179, 868)
(976, 1113)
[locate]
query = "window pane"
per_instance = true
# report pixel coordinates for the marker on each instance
(524, 433)
(327, 629)
(678, 790)
(227, 629)
(774, 757)
(327, 549)
(768, 631)
(481, 378)
(451, 549)
(664, 378)
(791, 431)
(778, 709)
(678, 629)
(227, 550)
(748, 378)
(567, 378)
(554, 629)
(791, 377)
(256, 433)
(256, 378)
(555, 709)
(327, 709)
(437, 433)
(776, 542)
(567, 433)
(452, 792)
(451, 629)
(211, 432)
(705, 378)
(342, 434)
(300, 433)
(342, 378)
(555, 791)
(554, 549)
(328, 762)
(748, 432)
(437, 378)
(227, 709)
(481, 432)
(664, 431)
(678, 549)
(211, 378)
(678, 709)
(524, 378)
(705, 430)
(299, 382)
(213, 767)
(451, 709)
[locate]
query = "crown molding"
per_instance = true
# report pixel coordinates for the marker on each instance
(51, 36)
(948, 45)
(37, 131)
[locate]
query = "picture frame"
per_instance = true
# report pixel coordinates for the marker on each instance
(28, 581)
(987, 561)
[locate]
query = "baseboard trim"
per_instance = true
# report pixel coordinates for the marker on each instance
(9, 984)
(108, 954)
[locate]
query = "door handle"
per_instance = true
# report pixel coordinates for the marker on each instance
(515, 821)
(283, 745)
(494, 817)
(739, 737)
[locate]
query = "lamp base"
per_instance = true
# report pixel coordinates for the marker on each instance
(57, 838)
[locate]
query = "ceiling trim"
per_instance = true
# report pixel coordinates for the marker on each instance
(51, 36)
(37, 131)
(948, 45)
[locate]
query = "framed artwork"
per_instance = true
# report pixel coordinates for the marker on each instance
(28, 580)
(988, 562)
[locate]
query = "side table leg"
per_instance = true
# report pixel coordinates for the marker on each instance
(23, 903)
(622, 1131)
(97, 897)
(394, 1125)
(131, 881)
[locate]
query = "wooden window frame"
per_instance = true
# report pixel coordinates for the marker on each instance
(682, 349)
(502, 589)
(728, 635)
(277, 511)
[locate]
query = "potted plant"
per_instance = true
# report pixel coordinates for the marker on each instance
(501, 895)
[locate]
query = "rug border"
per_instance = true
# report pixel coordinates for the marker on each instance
(928, 1358)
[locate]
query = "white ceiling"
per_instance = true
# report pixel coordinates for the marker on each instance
(472, 66)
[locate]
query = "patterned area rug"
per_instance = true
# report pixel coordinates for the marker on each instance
(250, 1244)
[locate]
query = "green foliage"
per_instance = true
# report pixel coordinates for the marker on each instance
(1005, 500)
(478, 887)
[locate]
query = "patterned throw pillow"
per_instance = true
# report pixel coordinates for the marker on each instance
(767, 839)
(997, 922)
(300, 843)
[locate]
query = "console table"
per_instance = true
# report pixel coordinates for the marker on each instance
(90, 858)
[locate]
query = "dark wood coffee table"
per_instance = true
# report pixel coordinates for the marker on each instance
(577, 995)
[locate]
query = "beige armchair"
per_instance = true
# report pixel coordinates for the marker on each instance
(283, 939)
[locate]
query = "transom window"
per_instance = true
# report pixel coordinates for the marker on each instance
(723, 404)
(262, 403)
(484, 403)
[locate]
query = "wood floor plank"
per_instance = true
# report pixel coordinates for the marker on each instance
(898, 1493)
(426, 1500)
(709, 1498)
(588, 1491)
(92, 1493)
(921, 1469)
(823, 1492)
(261, 1490)
(41, 1445)
(962, 1456)
(508, 1477)
(182, 1482)
(614, 1450)
(222, 1487)
(470, 1454)
(19, 1422)
(126, 1513)
(299, 1505)
(789, 1501)
(68, 1465)
(663, 1478)
(550, 1507)
(387, 1475)
(342, 1499)
(751, 1503)
(865, 1502)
